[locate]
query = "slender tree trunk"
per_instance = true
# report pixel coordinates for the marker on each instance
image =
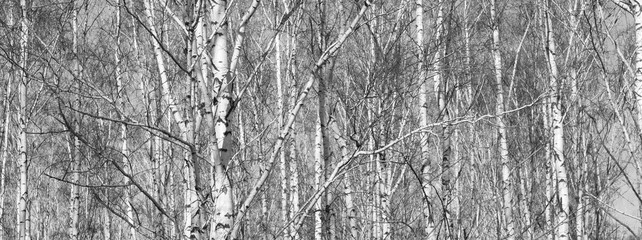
(294, 171)
(23, 194)
(319, 168)
(523, 202)
(548, 207)
(156, 147)
(563, 213)
(507, 193)
(575, 8)
(123, 130)
(157, 159)
(426, 172)
(106, 224)
(222, 189)
(294, 189)
(5, 152)
(471, 169)
(321, 161)
(440, 89)
(75, 150)
(5, 129)
(281, 120)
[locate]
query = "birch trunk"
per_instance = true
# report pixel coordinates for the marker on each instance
(23, 194)
(281, 120)
(75, 150)
(106, 225)
(426, 169)
(471, 169)
(5, 152)
(350, 207)
(294, 171)
(5, 130)
(507, 193)
(558, 132)
(548, 210)
(319, 165)
(575, 8)
(222, 190)
(157, 158)
(123, 130)
(440, 91)
(322, 228)
(294, 189)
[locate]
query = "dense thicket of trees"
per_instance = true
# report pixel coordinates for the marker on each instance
(292, 119)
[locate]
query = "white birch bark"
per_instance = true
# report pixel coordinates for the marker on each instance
(563, 213)
(507, 193)
(294, 189)
(319, 162)
(471, 168)
(523, 204)
(294, 171)
(548, 210)
(123, 131)
(5, 152)
(429, 227)
(106, 224)
(349, 201)
(23, 194)
(222, 190)
(440, 89)
(75, 150)
(574, 9)
(156, 148)
(281, 118)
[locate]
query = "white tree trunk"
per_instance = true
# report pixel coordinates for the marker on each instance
(5, 133)
(75, 149)
(281, 120)
(5, 151)
(507, 193)
(106, 225)
(294, 171)
(23, 195)
(294, 189)
(429, 225)
(222, 190)
(123, 131)
(440, 89)
(319, 168)
(563, 213)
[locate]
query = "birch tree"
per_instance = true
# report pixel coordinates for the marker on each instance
(557, 129)
(507, 193)
(423, 106)
(23, 194)
(74, 150)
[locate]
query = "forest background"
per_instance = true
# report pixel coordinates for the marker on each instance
(293, 119)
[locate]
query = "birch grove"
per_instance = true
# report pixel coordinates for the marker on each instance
(292, 119)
